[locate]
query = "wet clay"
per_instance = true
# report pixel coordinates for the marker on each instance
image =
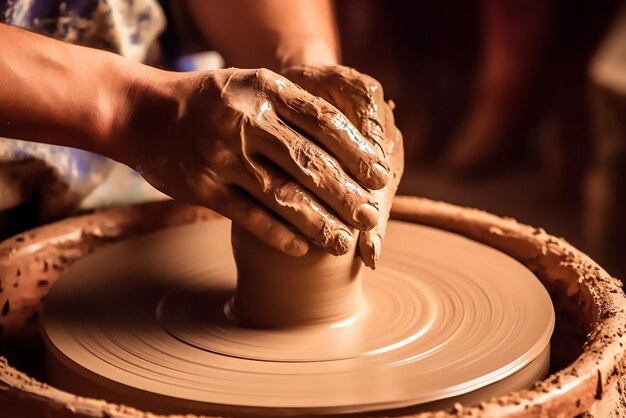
(166, 329)
(589, 302)
(277, 290)
(307, 173)
(361, 99)
(281, 162)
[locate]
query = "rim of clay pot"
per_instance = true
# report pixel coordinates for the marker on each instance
(30, 262)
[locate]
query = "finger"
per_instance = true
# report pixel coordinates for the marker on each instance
(361, 98)
(298, 207)
(236, 205)
(325, 124)
(316, 170)
(357, 95)
(370, 242)
(393, 139)
(369, 248)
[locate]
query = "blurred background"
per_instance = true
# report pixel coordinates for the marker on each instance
(514, 107)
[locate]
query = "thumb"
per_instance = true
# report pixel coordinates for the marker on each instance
(370, 242)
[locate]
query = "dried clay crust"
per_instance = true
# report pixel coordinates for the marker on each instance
(588, 302)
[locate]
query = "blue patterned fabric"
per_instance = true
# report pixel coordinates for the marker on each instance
(57, 179)
(126, 27)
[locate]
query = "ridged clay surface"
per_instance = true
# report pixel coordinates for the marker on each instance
(441, 316)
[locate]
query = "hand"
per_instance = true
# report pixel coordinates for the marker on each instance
(260, 150)
(361, 99)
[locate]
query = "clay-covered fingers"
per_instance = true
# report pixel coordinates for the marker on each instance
(315, 169)
(231, 202)
(370, 242)
(358, 96)
(298, 207)
(328, 127)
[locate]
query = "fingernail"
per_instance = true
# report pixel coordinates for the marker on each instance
(377, 243)
(368, 258)
(366, 216)
(297, 247)
(342, 243)
(380, 176)
(370, 253)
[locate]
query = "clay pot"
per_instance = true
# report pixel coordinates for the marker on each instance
(588, 345)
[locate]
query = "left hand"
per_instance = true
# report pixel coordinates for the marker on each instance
(361, 98)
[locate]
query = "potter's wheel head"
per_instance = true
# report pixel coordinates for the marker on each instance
(145, 322)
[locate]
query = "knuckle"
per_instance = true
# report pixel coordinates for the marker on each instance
(228, 116)
(264, 74)
(287, 192)
(272, 85)
(314, 162)
(267, 79)
(372, 82)
(224, 163)
(337, 239)
(325, 109)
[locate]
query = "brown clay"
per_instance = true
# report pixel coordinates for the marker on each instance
(442, 316)
(585, 296)
(277, 290)
(361, 99)
(294, 154)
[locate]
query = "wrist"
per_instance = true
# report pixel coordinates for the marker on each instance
(317, 52)
(143, 107)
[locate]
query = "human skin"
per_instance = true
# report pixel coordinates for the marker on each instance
(361, 98)
(284, 164)
(274, 34)
(299, 40)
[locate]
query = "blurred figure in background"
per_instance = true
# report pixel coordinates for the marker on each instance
(493, 101)
(479, 76)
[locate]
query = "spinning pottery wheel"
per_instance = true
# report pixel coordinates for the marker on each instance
(170, 310)
(175, 328)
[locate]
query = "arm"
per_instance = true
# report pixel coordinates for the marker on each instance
(205, 137)
(60, 94)
(299, 39)
(274, 34)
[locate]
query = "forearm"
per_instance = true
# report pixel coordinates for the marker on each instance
(275, 34)
(61, 94)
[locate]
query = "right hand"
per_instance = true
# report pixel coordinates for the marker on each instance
(361, 98)
(284, 164)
